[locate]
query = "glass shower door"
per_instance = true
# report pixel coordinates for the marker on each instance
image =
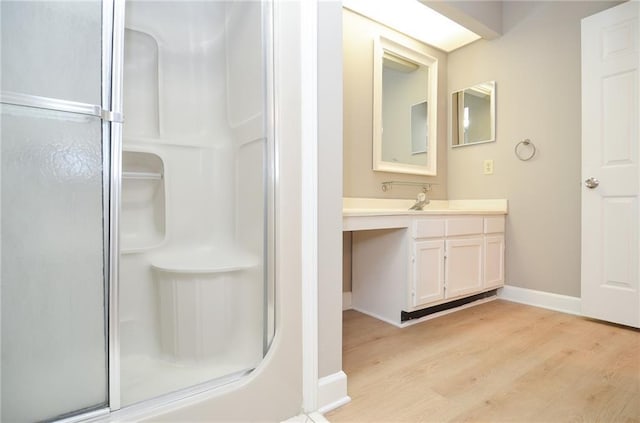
(53, 332)
(53, 265)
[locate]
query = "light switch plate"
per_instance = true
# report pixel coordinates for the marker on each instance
(488, 167)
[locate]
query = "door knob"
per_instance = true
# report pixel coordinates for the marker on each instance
(591, 183)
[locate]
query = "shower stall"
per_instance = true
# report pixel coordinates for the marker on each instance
(137, 202)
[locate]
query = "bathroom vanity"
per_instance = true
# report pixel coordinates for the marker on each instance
(405, 262)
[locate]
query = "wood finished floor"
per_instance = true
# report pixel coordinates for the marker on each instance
(498, 361)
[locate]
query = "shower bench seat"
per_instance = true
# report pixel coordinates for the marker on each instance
(203, 294)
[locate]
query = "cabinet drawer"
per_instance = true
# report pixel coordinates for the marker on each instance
(494, 225)
(431, 228)
(464, 226)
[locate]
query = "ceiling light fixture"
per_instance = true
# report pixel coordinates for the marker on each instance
(416, 20)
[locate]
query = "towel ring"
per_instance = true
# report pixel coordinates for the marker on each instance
(525, 142)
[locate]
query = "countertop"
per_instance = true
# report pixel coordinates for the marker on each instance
(377, 213)
(352, 207)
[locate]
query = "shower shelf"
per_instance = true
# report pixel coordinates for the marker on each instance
(142, 175)
(142, 218)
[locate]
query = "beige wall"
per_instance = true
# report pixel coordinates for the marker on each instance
(536, 64)
(359, 179)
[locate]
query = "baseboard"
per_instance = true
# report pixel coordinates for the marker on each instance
(332, 392)
(318, 418)
(548, 300)
(346, 301)
(307, 418)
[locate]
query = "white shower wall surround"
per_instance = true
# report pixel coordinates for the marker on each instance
(193, 195)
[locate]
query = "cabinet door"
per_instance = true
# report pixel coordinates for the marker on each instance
(428, 272)
(494, 261)
(463, 266)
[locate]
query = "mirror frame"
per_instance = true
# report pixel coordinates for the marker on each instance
(492, 110)
(397, 48)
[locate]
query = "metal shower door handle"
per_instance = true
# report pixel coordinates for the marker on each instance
(591, 182)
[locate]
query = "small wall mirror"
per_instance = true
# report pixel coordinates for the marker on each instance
(473, 115)
(404, 111)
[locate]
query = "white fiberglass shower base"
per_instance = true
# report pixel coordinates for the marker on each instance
(192, 267)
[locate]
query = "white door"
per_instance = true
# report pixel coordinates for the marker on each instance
(428, 273)
(463, 269)
(610, 128)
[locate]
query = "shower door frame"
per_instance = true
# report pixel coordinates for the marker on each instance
(113, 88)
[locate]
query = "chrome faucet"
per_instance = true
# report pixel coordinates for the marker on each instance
(421, 201)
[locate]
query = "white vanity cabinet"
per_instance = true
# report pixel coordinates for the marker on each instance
(454, 257)
(403, 263)
(451, 266)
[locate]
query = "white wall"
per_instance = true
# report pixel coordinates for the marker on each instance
(536, 64)
(359, 178)
(329, 187)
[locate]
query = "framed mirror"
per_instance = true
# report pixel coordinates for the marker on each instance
(473, 115)
(404, 109)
